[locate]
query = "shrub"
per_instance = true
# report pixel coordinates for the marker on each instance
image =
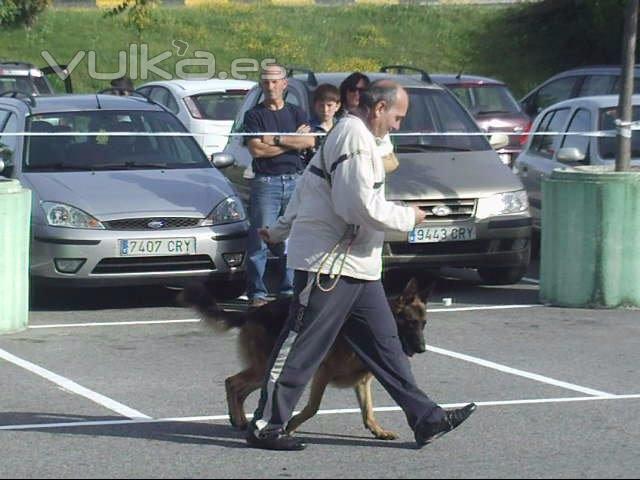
(21, 12)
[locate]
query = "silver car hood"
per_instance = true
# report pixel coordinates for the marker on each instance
(110, 195)
(440, 175)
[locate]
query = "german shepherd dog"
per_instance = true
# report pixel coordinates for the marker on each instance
(260, 328)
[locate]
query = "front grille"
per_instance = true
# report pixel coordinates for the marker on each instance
(457, 248)
(460, 209)
(443, 248)
(170, 223)
(154, 264)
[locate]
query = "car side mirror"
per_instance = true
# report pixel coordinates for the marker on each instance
(498, 141)
(6, 158)
(222, 160)
(531, 109)
(571, 154)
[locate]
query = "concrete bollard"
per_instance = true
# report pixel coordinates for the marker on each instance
(15, 220)
(590, 255)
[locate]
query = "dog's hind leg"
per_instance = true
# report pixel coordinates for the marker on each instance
(320, 381)
(365, 399)
(238, 388)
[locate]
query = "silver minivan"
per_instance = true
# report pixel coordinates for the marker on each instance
(114, 208)
(478, 214)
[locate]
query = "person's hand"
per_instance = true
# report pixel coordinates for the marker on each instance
(420, 214)
(304, 129)
(265, 236)
(268, 139)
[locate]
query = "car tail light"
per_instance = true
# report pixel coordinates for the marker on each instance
(193, 108)
(522, 139)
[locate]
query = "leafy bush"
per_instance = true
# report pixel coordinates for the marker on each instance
(21, 12)
(139, 13)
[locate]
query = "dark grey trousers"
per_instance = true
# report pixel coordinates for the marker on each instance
(315, 320)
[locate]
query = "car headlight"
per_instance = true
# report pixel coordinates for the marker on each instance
(229, 210)
(61, 215)
(503, 204)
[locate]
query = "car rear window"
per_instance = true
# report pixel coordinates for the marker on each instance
(608, 146)
(26, 84)
(486, 99)
(219, 106)
(109, 152)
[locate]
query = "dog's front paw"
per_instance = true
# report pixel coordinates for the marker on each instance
(380, 433)
(384, 435)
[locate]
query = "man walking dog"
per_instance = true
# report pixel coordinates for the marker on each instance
(335, 249)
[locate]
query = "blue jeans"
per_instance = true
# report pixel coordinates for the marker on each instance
(270, 196)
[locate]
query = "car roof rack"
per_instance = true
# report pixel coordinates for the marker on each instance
(311, 76)
(131, 93)
(28, 98)
(402, 69)
(17, 63)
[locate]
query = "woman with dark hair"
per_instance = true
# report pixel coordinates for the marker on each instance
(350, 90)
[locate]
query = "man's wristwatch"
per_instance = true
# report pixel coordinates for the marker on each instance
(276, 140)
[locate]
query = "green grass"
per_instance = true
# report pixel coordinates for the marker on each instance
(364, 37)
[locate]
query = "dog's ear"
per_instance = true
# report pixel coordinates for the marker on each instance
(410, 292)
(427, 290)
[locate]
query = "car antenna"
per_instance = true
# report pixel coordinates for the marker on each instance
(98, 100)
(460, 73)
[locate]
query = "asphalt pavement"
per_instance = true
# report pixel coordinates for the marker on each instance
(121, 383)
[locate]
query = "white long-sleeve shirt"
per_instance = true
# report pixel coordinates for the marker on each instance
(320, 212)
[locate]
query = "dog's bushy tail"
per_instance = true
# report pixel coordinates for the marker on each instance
(199, 298)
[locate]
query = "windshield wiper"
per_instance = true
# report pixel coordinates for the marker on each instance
(428, 147)
(60, 166)
(484, 112)
(154, 166)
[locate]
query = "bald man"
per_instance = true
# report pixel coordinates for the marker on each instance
(339, 216)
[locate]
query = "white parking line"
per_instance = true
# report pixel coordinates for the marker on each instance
(72, 386)
(490, 307)
(520, 373)
(115, 324)
(499, 403)
(197, 320)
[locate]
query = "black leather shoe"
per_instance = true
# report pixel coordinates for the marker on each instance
(274, 441)
(428, 432)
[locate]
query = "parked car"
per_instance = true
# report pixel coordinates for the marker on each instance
(478, 211)
(544, 153)
(28, 79)
(577, 82)
(121, 210)
(494, 108)
(207, 108)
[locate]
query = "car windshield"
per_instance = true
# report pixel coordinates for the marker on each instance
(219, 106)
(436, 111)
(109, 152)
(608, 145)
(486, 99)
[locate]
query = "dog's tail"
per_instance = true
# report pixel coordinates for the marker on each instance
(199, 298)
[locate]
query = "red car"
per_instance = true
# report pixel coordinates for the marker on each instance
(493, 107)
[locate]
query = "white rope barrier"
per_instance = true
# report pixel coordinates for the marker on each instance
(621, 126)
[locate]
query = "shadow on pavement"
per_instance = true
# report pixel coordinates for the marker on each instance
(101, 298)
(175, 432)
